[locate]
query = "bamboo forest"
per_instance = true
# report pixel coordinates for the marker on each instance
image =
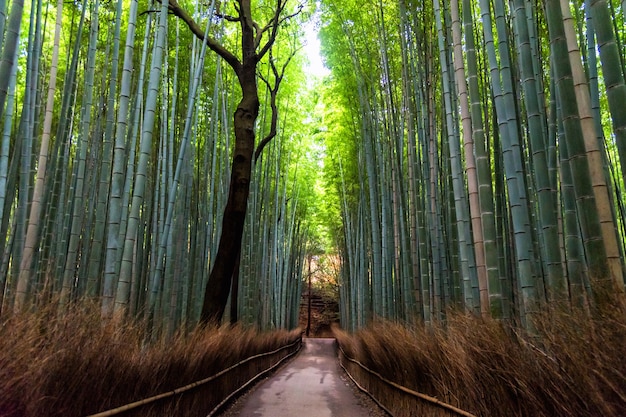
(437, 169)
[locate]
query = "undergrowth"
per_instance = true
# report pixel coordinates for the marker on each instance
(76, 365)
(572, 365)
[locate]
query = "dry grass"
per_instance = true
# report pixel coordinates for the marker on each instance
(75, 365)
(574, 366)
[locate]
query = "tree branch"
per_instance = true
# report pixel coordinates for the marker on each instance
(281, 20)
(273, 93)
(229, 57)
(273, 25)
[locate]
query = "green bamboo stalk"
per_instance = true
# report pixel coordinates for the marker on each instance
(6, 143)
(3, 20)
(546, 195)
(484, 174)
(9, 49)
(482, 298)
(458, 183)
(576, 266)
(613, 73)
(586, 204)
(118, 169)
(165, 234)
(33, 231)
(59, 208)
(79, 176)
(6, 182)
(122, 297)
(595, 152)
(96, 271)
(26, 134)
(500, 78)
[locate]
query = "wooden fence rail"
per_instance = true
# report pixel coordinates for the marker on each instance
(210, 393)
(395, 399)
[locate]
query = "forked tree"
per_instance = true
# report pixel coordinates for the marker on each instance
(256, 42)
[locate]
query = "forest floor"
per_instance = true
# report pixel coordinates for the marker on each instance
(313, 384)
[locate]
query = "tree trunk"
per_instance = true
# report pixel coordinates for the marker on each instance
(218, 286)
(252, 51)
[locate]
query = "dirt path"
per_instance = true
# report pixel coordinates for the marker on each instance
(313, 384)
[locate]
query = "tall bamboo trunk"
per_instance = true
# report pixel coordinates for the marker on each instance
(33, 231)
(587, 212)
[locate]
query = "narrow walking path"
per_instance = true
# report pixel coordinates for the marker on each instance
(311, 385)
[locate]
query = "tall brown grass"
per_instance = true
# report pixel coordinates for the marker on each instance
(75, 365)
(573, 365)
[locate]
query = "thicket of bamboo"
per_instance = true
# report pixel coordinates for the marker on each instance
(115, 163)
(483, 170)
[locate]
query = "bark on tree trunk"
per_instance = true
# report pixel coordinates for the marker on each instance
(234, 293)
(218, 286)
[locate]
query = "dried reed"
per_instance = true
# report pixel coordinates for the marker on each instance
(572, 366)
(76, 364)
